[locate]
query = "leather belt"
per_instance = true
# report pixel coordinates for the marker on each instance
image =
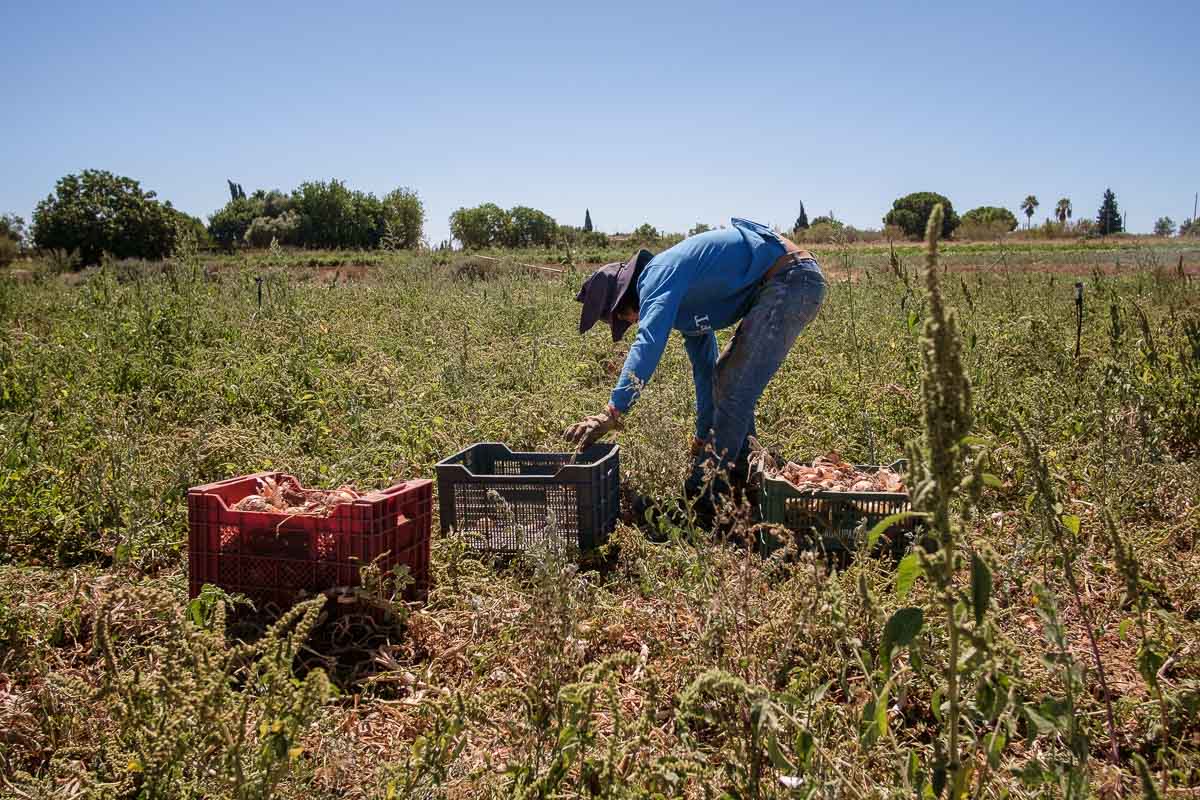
(784, 261)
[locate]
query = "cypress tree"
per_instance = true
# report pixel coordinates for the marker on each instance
(1109, 219)
(802, 220)
(587, 220)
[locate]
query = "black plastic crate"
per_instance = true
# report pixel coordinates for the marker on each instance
(831, 521)
(506, 502)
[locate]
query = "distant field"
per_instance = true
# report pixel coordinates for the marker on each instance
(692, 667)
(1145, 254)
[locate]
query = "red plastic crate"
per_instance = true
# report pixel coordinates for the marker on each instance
(271, 558)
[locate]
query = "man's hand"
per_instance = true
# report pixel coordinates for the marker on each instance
(587, 432)
(698, 447)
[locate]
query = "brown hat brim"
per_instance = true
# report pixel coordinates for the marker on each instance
(603, 291)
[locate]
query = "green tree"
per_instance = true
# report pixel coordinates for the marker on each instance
(333, 216)
(1063, 209)
(587, 220)
(187, 223)
(911, 213)
(12, 228)
(1029, 205)
(828, 219)
(12, 237)
(991, 216)
(484, 225)
(802, 220)
(488, 225)
(529, 227)
(646, 234)
(1190, 227)
(97, 212)
(404, 217)
(365, 226)
(325, 209)
(274, 203)
(228, 226)
(699, 227)
(1108, 219)
(1164, 226)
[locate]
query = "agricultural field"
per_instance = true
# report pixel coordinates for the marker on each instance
(1048, 647)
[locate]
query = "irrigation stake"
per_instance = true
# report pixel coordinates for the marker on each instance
(1078, 315)
(258, 280)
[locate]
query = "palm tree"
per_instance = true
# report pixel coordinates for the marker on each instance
(1063, 210)
(1029, 205)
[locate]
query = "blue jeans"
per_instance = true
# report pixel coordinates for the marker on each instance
(781, 309)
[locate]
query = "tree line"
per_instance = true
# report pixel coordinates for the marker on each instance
(96, 213)
(319, 214)
(909, 214)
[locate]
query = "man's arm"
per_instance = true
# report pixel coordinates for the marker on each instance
(702, 350)
(660, 300)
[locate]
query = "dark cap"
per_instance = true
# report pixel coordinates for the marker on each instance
(603, 290)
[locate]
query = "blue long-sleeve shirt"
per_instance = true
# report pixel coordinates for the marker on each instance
(703, 284)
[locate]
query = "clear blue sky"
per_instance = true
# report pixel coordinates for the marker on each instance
(669, 113)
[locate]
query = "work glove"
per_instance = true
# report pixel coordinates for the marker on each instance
(587, 432)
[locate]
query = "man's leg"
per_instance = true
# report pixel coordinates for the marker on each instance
(782, 309)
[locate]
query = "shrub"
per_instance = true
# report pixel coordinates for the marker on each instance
(981, 231)
(820, 232)
(1083, 227)
(97, 212)
(283, 229)
(9, 250)
(911, 212)
(578, 237)
(864, 234)
(991, 218)
(1190, 227)
(1049, 229)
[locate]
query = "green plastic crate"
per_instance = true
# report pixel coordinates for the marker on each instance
(831, 521)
